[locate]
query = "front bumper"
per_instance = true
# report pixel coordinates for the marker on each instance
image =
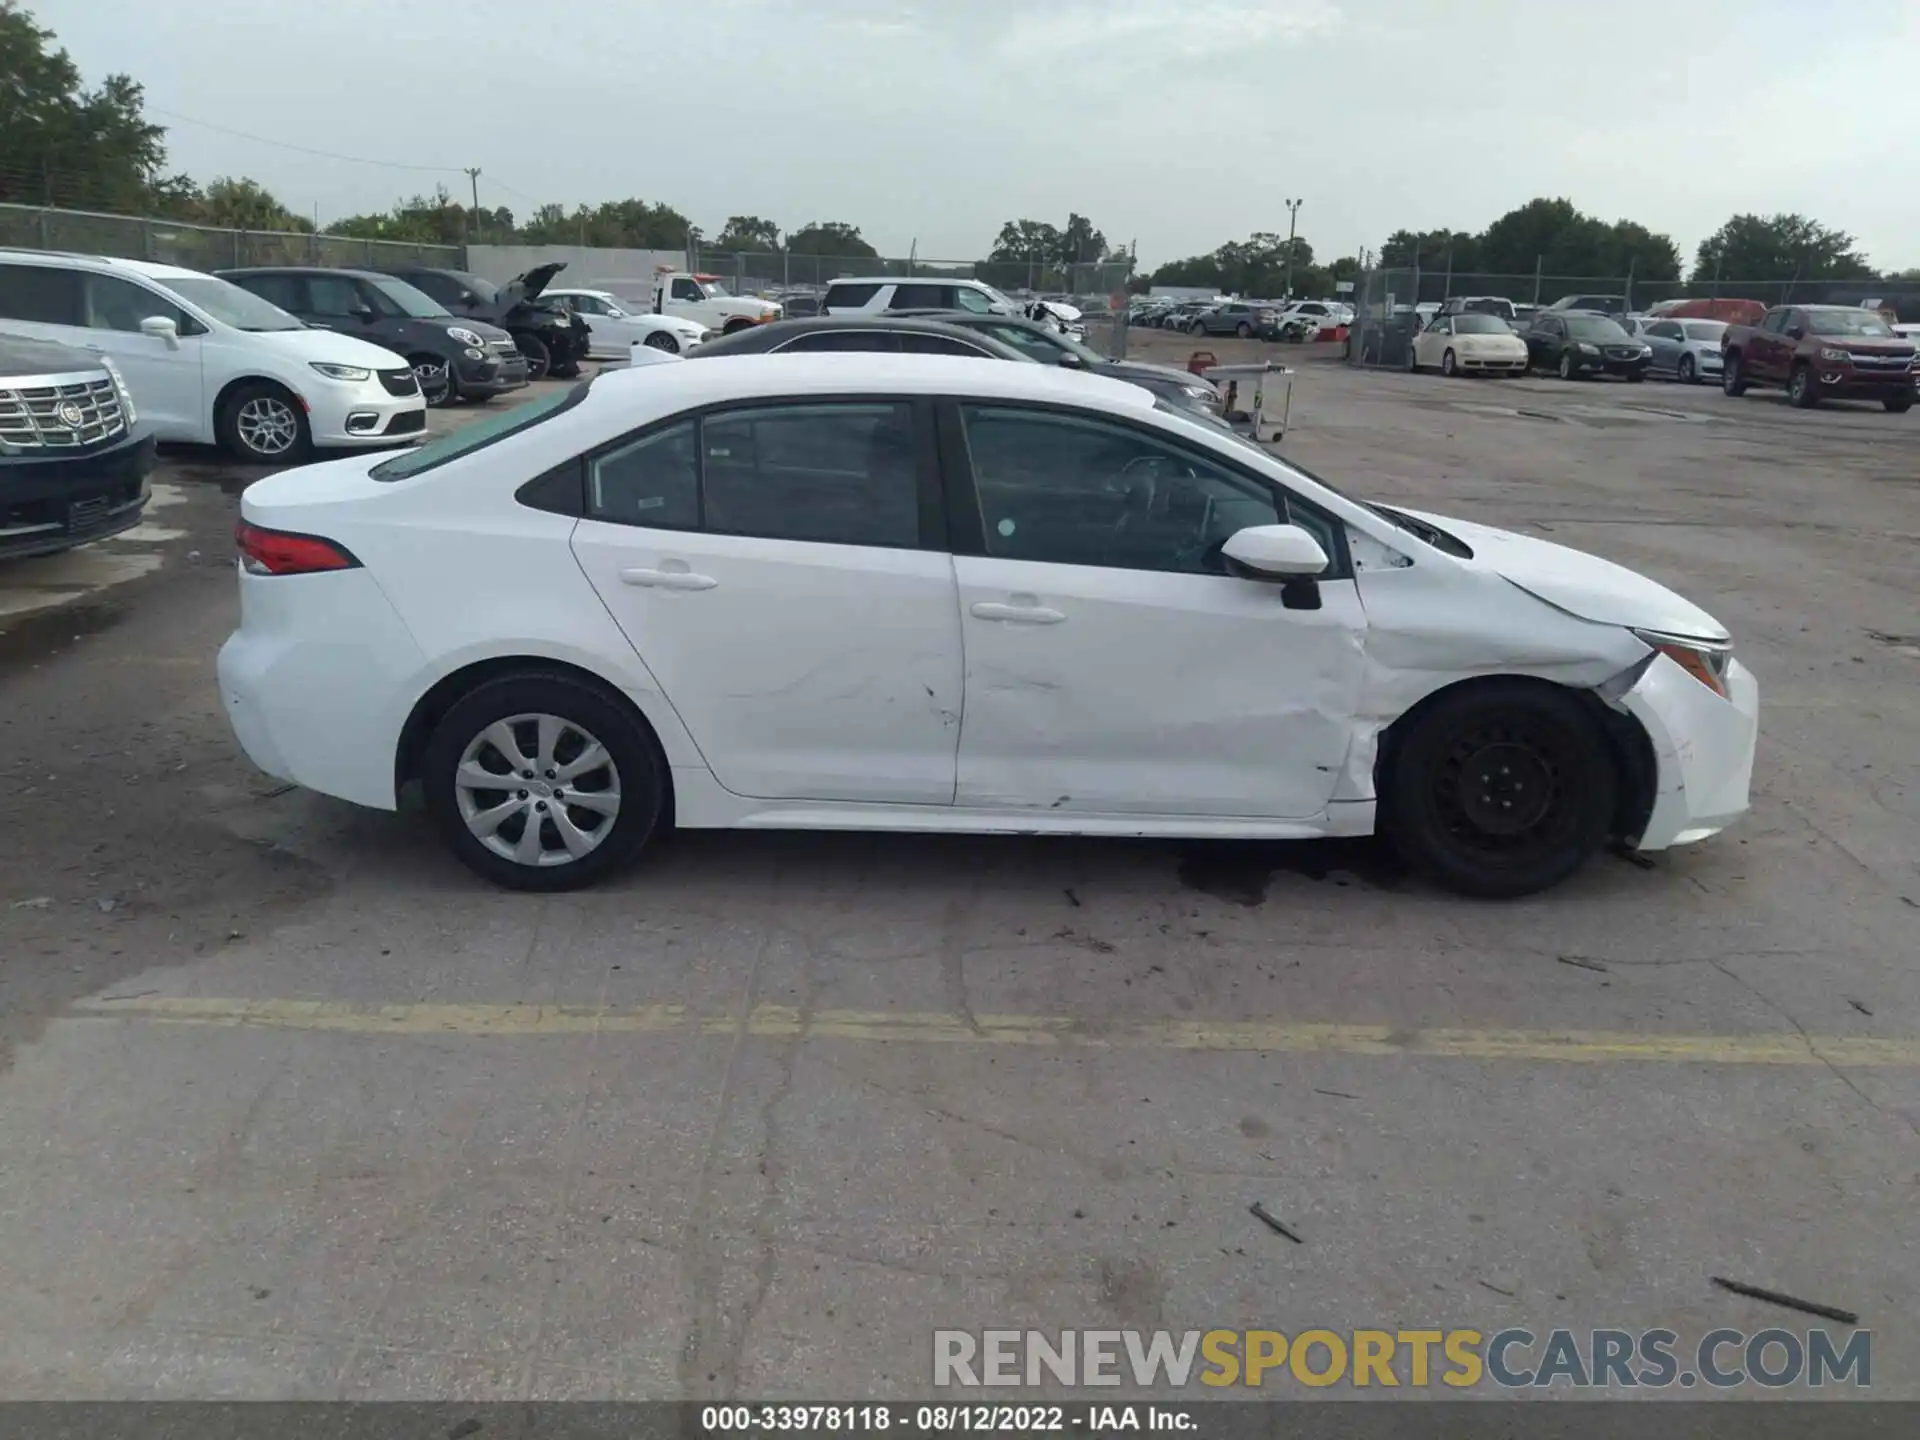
(360, 415)
(1703, 749)
(1848, 384)
(501, 371)
(53, 503)
(1506, 364)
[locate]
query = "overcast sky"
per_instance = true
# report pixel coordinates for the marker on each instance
(1184, 123)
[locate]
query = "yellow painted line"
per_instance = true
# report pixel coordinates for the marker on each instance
(1042, 1031)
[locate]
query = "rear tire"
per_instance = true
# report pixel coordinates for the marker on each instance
(1898, 404)
(619, 804)
(1733, 377)
(539, 358)
(1802, 393)
(1413, 357)
(1500, 789)
(1243, 330)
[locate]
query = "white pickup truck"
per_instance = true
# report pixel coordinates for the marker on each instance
(704, 299)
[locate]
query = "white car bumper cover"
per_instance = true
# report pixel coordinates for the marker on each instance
(1703, 749)
(330, 407)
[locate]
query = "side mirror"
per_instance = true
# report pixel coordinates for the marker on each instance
(1072, 360)
(1284, 552)
(1795, 332)
(161, 327)
(364, 314)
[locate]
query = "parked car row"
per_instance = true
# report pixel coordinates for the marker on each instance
(1295, 320)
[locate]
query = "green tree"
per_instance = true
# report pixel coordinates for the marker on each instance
(243, 204)
(748, 232)
(1080, 243)
(1028, 241)
(830, 237)
(65, 144)
(1779, 247)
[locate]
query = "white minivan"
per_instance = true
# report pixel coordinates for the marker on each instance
(208, 362)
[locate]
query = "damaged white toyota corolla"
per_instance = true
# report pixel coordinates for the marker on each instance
(886, 592)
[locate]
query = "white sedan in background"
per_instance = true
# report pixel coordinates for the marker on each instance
(861, 591)
(1468, 344)
(618, 325)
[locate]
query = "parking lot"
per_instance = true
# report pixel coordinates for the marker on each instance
(295, 1107)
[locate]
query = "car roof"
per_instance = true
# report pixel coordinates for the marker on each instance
(904, 280)
(759, 339)
(668, 389)
(151, 269)
(304, 270)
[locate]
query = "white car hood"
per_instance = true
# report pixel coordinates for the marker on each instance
(1578, 583)
(329, 348)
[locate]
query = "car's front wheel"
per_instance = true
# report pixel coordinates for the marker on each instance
(1733, 377)
(1448, 365)
(540, 781)
(263, 423)
(1898, 404)
(434, 374)
(1802, 393)
(1500, 788)
(1687, 374)
(1566, 365)
(539, 358)
(662, 340)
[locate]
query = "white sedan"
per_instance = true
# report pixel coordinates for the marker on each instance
(617, 326)
(1469, 344)
(914, 592)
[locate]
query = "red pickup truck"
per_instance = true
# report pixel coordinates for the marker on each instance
(1821, 352)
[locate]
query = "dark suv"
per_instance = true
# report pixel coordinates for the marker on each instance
(73, 459)
(553, 339)
(452, 359)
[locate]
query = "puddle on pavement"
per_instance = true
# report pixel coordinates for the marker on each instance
(34, 637)
(1239, 871)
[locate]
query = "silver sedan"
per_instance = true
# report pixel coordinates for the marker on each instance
(1684, 350)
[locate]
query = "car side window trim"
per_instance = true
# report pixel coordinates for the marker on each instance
(931, 504)
(965, 527)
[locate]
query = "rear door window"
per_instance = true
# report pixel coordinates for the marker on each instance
(915, 344)
(846, 296)
(842, 474)
(40, 294)
(286, 291)
(919, 297)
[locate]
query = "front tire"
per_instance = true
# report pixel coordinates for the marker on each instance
(1566, 365)
(1733, 377)
(263, 424)
(1801, 391)
(1413, 358)
(1898, 404)
(539, 358)
(1500, 789)
(662, 340)
(1688, 373)
(434, 374)
(1243, 330)
(539, 781)
(1449, 366)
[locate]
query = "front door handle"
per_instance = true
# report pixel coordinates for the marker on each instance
(668, 579)
(1016, 614)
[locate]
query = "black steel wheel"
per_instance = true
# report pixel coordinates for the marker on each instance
(1500, 788)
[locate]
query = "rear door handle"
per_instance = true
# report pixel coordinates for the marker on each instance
(668, 579)
(1016, 614)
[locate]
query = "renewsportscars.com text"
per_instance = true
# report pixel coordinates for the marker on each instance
(1459, 1359)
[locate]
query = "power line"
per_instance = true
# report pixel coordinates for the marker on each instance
(304, 149)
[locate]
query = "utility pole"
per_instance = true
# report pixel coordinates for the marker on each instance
(473, 174)
(1293, 215)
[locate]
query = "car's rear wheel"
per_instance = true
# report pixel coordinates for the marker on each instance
(1687, 374)
(1500, 788)
(1448, 365)
(662, 340)
(1413, 356)
(539, 358)
(1898, 404)
(434, 374)
(1802, 393)
(1243, 330)
(539, 781)
(263, 423)
(1733, 377)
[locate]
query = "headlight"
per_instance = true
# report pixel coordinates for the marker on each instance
(1586, 349)
(464, 336)
(1205, 394)
(126, 395)
(1646, 351)
(341, 372)
(1705, 661)
(1834, 352)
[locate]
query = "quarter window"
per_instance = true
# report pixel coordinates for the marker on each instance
(1070, 491)
(655, 480)
(917, 344)
(40, 294)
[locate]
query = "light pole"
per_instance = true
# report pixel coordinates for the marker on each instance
(1293, 214)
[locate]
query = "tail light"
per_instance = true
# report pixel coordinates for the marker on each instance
(281, 552)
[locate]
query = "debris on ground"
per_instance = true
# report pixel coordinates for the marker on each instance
(1336, 1094)
(1632, 857)
(1072, 899)
(38, 902)
(1272, 1222)
(1791, 1302)
(1496, 1289)
(1583, 963)
(1858, 1006)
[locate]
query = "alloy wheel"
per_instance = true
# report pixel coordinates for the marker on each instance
(538, 790)
(267, 425)
(435, 378)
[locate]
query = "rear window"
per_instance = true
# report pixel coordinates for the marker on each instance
(852, 296)
(478, 435)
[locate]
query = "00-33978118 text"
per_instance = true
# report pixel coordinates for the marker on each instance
(836, 1419)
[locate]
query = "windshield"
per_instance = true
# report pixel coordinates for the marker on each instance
(1490, 305)
(485, 291)
(1705, 329)
(615, 306)
(714, 289)
(479, 433)
(1480, 325)
(230, 305)
(1849, 322)
(406, 300)
(1595, 327)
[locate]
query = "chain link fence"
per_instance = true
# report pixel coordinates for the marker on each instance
(1388, 302)
(764, 272)
(203, 247)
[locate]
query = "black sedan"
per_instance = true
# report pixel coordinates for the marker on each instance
(1575, 345)
(881, 330)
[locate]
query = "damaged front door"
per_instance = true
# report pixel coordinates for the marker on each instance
(1112, 665)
